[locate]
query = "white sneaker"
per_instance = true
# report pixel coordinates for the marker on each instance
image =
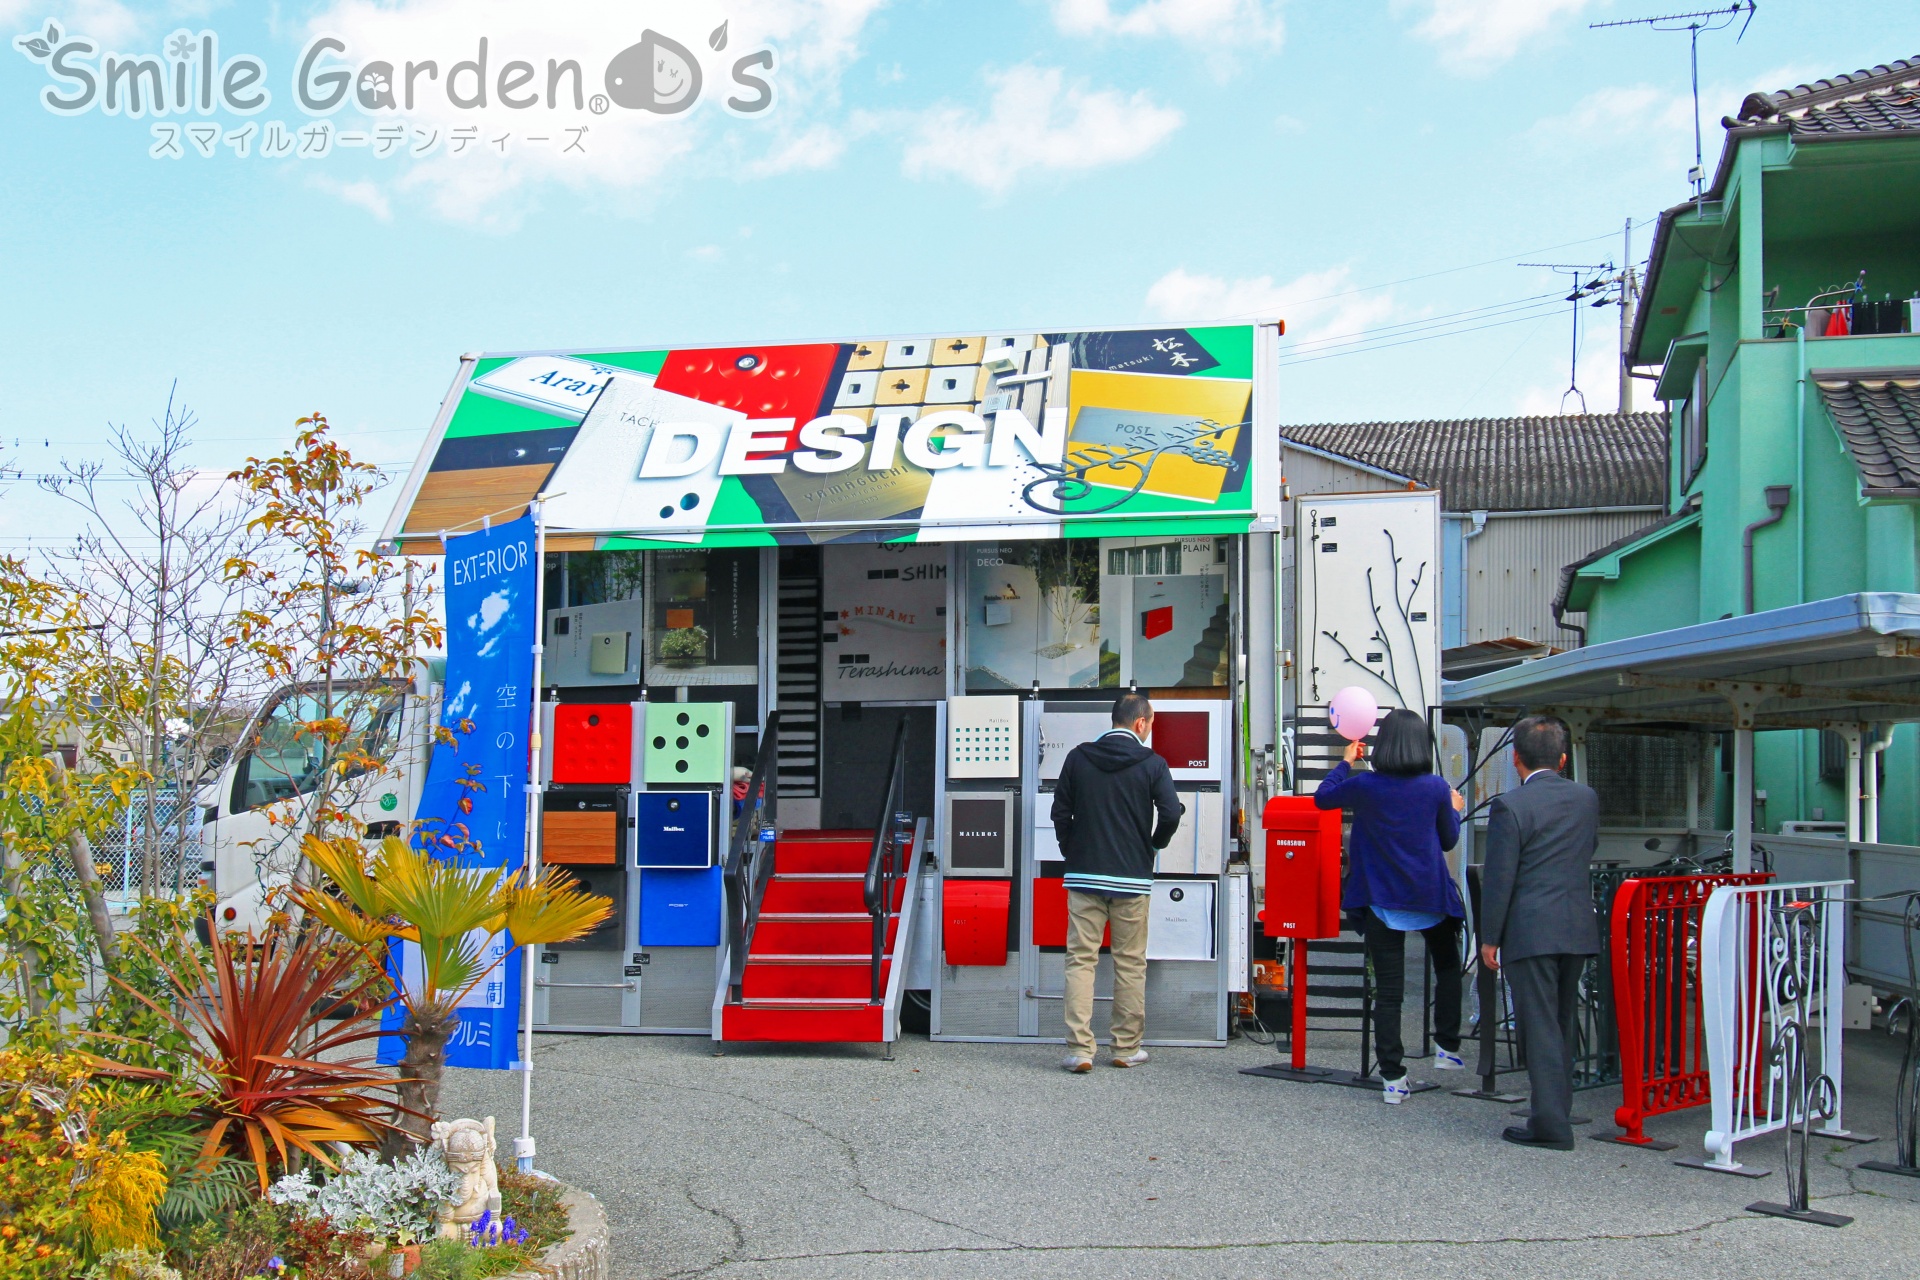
(1395, 1092)
(1134, 1059)
(1444, 1060)
(1077, 1064)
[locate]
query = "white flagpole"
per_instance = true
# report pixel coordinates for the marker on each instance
(523, 1145)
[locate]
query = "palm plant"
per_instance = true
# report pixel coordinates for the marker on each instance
(449, 912)
(246, 1007)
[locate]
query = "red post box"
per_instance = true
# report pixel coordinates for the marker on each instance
(1303, 869)
(593, 742)
(1303, 893)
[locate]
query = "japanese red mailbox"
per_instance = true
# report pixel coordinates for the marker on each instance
(1303, 869)
(1303, 893)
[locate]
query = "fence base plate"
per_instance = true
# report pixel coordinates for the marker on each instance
(1814, 1216)
(1847, 1135)
(1888, 1166)
(1490, 1096)
(1737, 1170)
(1645, 1144)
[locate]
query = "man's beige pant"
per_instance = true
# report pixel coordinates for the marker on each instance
(1088, 916)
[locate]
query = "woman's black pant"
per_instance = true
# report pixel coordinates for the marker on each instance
(1387, 951)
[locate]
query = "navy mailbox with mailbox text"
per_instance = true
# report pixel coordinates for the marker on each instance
(673, 829)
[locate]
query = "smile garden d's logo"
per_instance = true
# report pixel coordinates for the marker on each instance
(656, 74)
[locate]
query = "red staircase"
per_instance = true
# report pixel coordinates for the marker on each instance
(809, 974)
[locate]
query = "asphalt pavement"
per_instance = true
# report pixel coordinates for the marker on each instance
(972, 1160)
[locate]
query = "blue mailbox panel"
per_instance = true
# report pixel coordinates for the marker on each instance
(673, 829)
(680, 908)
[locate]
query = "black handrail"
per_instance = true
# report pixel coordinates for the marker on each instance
(750, 853)
(887, 864)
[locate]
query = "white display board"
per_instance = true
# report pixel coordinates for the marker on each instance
(888, 604)
(1062, 731)
(983, 737)
(1180, 922)
(1366, 596)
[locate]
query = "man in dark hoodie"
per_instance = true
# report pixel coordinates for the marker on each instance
(1113, 809)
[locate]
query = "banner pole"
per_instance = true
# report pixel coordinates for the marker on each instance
(523, 1145)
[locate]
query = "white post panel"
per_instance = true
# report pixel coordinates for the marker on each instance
(1742, 800)
(1366, 611)
(1870, 818)
(1753, 968)
(1852, 736)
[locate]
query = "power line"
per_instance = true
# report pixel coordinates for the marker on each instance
(1445, 271)
(1309, 346)
(1451, 333)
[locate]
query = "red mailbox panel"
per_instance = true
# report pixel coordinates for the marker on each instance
(1050, 914)
(593, 742)
(1303, 869)
(974, 920)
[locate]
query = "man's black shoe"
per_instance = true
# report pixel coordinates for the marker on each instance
(1521, 1136)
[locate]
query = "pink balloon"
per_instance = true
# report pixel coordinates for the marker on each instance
(1352, 713)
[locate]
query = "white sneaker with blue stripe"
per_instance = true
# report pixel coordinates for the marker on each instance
(1446, 1060)
(1395, 1092)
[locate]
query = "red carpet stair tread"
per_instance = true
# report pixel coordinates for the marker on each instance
(809, 968)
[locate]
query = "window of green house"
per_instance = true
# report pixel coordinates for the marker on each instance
(1693, 426)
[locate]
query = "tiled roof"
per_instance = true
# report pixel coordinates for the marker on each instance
(1878, 413)
(1884, 99)
(1513, 464)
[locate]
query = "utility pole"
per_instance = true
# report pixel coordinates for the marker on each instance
(1628, 289)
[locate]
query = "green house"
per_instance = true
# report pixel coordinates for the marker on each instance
(1777, 323)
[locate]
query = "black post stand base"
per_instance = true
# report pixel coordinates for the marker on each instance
(1306, 1075)
(1489, 1091)
(1858, 1139)
(1621, 1139)
(1814, 1216)
(1888, 1166)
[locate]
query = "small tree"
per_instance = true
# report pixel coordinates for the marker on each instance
(54, 913)
(401, 893)
(150, 574)
(338, 623)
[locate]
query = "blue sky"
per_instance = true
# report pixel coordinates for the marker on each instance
(925, 167)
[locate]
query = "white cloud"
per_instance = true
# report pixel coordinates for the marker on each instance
(107, 22)
(1035, 121)
(628, 153)
(1477, 35)
(818, 146)
(1223, 25)
(366, 195)
(1317, 305)
(706, 253)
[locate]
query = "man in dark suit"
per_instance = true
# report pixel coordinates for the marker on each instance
(1536, 916)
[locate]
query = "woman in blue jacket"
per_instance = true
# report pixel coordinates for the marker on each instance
(1405, 817)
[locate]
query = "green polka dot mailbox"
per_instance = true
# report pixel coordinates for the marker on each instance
(688, 744)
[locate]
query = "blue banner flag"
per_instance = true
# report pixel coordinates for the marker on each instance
(473, 806)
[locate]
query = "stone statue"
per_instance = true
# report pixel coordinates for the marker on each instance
(468, 1148)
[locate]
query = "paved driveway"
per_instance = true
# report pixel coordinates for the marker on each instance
(962, 1160)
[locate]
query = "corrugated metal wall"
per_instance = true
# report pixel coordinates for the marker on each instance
(1513, 569)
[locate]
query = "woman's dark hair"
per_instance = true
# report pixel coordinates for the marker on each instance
(1401, 745)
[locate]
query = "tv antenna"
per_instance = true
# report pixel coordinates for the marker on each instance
(1693, 24)
(1596, 283)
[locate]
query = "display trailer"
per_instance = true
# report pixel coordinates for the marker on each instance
(823, 620)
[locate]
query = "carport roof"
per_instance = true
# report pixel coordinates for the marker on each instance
(1848, 660)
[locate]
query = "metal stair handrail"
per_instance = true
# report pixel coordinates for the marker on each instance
(887, 864)
(750, 853)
